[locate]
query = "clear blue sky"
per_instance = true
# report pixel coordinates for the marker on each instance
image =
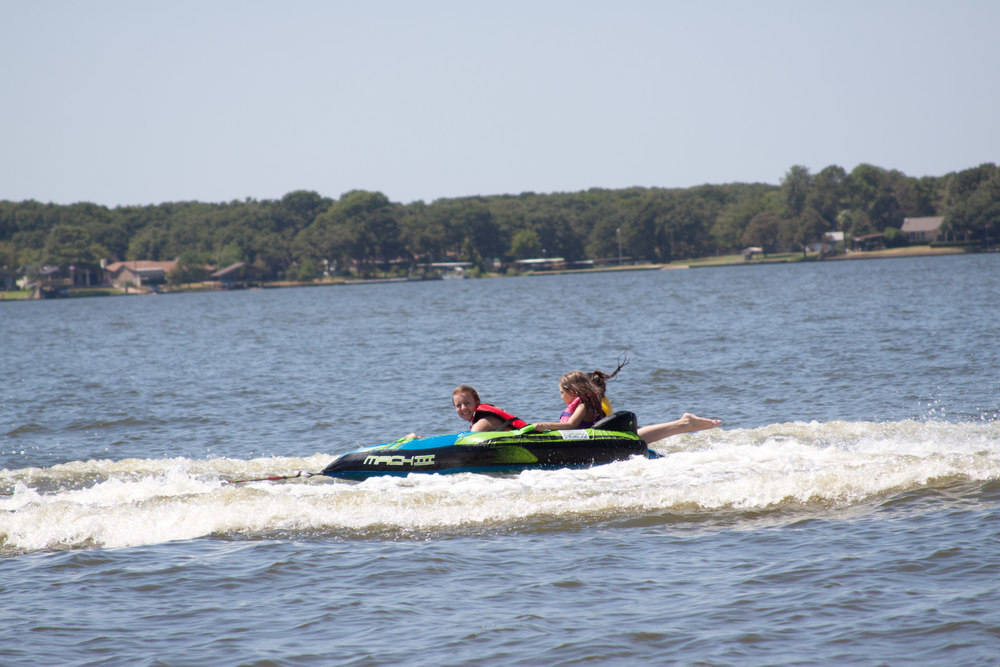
(124, 102)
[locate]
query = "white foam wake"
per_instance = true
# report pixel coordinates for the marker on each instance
(795, 466)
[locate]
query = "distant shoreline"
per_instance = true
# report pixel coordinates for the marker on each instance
(704, 262)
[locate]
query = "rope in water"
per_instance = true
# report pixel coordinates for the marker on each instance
(274, 478)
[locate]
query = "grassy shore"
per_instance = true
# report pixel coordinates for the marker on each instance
(775, 258)
(778, 258)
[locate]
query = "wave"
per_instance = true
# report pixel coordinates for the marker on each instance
(784, 472)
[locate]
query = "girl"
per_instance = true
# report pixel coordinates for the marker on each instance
(582, 413)
(583, 403)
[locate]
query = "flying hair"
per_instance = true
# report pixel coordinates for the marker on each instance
(600, 379)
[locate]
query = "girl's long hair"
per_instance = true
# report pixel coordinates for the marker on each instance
(580, 384)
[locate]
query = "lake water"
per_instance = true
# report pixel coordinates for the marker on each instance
(846, 512)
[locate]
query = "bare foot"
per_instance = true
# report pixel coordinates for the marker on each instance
(692, 422)
(685, 424)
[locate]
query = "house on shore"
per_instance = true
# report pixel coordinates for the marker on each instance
(138, 272)
(238, 275)
(869, 242)
(540, 264)
(930, 230)
(52, 280)
(923, 230)
(448, 269)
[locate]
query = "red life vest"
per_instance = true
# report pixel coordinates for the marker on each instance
(485, 410)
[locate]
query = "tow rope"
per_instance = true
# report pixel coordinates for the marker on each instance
(275, 478)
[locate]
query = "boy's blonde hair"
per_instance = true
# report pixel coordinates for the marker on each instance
(466, 389)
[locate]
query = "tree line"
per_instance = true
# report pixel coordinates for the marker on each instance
(304, 233)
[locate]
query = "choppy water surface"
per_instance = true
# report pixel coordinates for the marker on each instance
(846, 512)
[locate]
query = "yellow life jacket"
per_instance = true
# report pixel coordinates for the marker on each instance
(606, 406)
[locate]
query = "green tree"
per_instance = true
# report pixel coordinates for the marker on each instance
(688, 219)
(297, 210)
(803, 224)
(148, 243)
(802, 230)
(473, 223)
(470, 253)
(827, 195)
(644, 224)
(308, 270)
(974, 196)
(869, 189)
(555, 234)
(229, 254)
(796, 187)
(8, 255)
(191, 268)
(727, 230)
(854, 223)
(453, 226)
(362, 227)
(525, 244)
(763, 230)
(68, 245)
(422, 233)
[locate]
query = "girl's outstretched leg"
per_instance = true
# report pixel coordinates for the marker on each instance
(686, 424)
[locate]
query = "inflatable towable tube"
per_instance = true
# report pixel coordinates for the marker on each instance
(614, 438)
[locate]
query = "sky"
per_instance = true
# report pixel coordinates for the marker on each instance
(134, 103)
